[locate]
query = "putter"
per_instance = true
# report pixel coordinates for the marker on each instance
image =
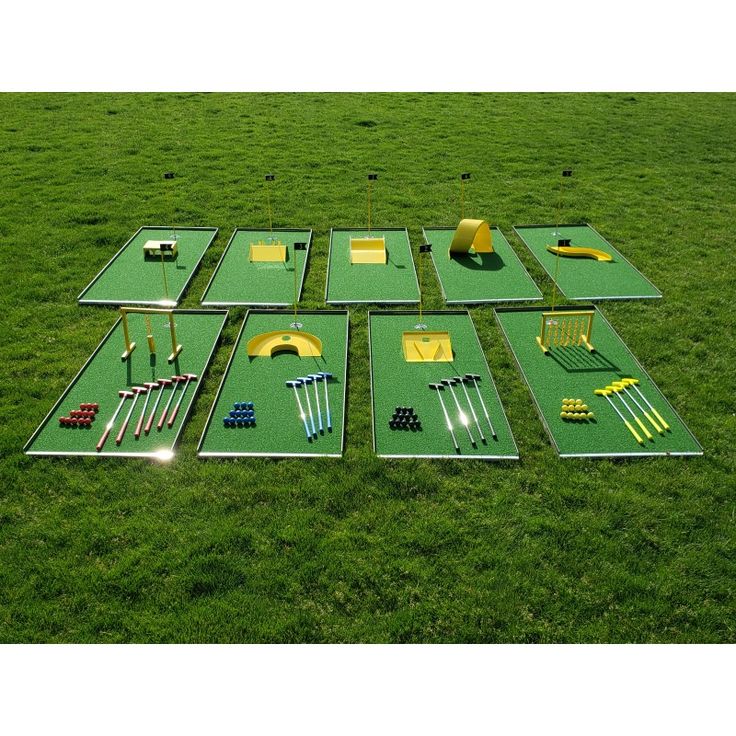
(306, 381)
(176, 380)
(438, 387)
(625, 387)
(302, 415)
(449, 382)
(108, 427)
(317, 377)
(605, 392)
(189, 378)
(163, 383)
(617, 391)
(633, 382)
(474, 377)
(151, 387)
(459, 380)
(137, 391)
(326, 376)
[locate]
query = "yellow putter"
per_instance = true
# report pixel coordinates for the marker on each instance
(634, 382)
(617, 390)
(267, 344)
(471, 234)
(625, 387)
(605, 392)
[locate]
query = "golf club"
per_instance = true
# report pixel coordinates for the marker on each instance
(607, 394)
(617, 391)
(439, 388)
(633, 382)
(176, 380)
(449, 382)
(108, 427)
(307, 381)
(302, 415)
(651, 421)
(150, 386)
(459, 380)
(137, 391)
(317, 377)
(163, 383)
(326, 376)
(189, 378)
(474, 377)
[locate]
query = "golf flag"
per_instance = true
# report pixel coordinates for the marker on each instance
(300, 246)
(567, 172)
(270, 177)
(372, 177)
(168, 175)
(563, 242)
(426, 248)
(465, 176)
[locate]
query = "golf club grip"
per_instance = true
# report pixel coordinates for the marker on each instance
(149, 423)
(121, 433)
(139, 425)
(103, 439)
(163, 419)
(173, 415)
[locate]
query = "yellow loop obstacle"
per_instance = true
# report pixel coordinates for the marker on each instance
(304, 344)
(475, 234)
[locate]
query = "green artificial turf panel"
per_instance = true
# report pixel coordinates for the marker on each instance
(480, 277)
(573, 372)
(364, 549)
(129, 278)
(105, 374)
(394, 282)
(278, 430)
(238, 281)
(586, 278)
(398, 383)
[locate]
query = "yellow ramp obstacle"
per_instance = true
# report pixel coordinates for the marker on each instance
(427, 347)
(304, 344)
(475, 234)
(368, 250)
(572, 252)
(261, 252)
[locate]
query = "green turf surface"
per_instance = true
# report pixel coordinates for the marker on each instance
(394, 282)
(129, 278)
(573, 372)
(238, 281)
(278, 430)
(398, 383)
(366, 549)
(483, 277)
(105, 374)
(586, 278)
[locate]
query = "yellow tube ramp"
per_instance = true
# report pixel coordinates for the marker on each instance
(475, 234)
(304, 344)
(571, 252)
(426, 347)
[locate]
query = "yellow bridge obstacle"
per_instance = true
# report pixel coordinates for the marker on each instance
(262, 252)
(130, 346)
(566, 329)
(267, 344)
(368, 250)
(471, 234)
(426, 347)
(573, 252)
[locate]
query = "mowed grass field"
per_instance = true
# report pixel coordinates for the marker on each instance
(362, 549)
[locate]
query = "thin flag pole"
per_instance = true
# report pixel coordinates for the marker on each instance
(565, 173)
(269, 179)
(297, 247)
(371, 179)
(425, 248)
(463, 178)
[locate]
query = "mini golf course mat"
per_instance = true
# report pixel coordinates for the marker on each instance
(394, 282)
(396, 383)
(238, 281)
(480, 278)
(574, 373)
(586, 278)
(131, 278)
(105, 374)
(278, 430)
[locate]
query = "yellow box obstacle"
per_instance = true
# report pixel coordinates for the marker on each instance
(304, 344)
(130, 346)
(426, 347)
(475, 234)
(565, 329)
(571, 252)
(153, 249)
(261, 252)
(368, 250)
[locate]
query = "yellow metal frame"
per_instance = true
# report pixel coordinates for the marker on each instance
(368, 250)
(261, 252)
(304, 344)
(475, 234)
(130, 346)
(565, 329)
(573, 252)
(426, 347)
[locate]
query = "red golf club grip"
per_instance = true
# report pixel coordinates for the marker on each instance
(149, 423)
(103, 439)
(119, 438)
(162, 420)
(173, 416)
(138, 426)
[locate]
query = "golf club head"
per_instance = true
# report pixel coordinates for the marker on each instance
(325, 375)
(305, 380)
(316, 376)
(125, 394)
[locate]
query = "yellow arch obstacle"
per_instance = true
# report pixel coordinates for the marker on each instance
(130, 346)
(471, 234)
(304, 344)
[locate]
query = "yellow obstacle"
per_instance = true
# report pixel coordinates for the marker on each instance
(368, 250)
(304, 344)
(154, 249)
(475, 234)
(565, 329)
(426, 347)
(261, 252)
(569, 251)
(130, 346)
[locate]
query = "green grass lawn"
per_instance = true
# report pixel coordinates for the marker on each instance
(362, 549)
